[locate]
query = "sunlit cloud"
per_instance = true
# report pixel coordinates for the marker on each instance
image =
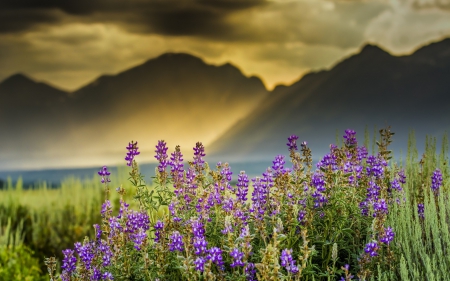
(406, 25)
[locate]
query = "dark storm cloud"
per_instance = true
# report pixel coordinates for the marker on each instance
(12, 21)
(203, 18)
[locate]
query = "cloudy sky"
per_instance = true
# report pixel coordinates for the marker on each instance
(69, 43)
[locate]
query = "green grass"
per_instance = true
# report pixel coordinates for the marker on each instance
(49, 220)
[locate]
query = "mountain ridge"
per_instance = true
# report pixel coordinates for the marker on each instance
(162, 98)
(370, 88)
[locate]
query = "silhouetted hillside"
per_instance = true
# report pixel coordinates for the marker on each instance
(370, 88)
(175, 97)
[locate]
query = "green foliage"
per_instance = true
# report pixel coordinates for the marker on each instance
(19, 264)
(49, 220)
(424, 243)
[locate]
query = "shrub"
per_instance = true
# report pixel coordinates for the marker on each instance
(192, 224)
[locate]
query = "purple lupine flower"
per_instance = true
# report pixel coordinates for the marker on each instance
(348, 167)
(106, 209)
(115, 227)
(371, 248)
(350, 138)
(267, 181)
(172, 209)
(278, 165)
(375, 166)
(402, 176)
(69, 262)
(137, 220)
(210, 200)
(328, 161)
(96, 275)
(199, 264)
(98, 231)
(138, 238)
(132, 151)
(107, 276)
(86, 253)
(259, 197)
(215, 255)
(226, 172)
(373, 191)
(388, 236)
(242, 215)
(237, 258)
(361, 153)
(161, 155)
(351, 180)
(200, 245)
(358, 170)
(242, 185)
(176, 242)
(199, 153)
(421, 210)
(190, 178)
(136, 225)
(159, 225)
(245, 232)
(123, 208)
(395, 185)
(436, 181)
(301, 216)
(197, 228)
(318, 182)
(106, 253)
(380, 207)
(199, 241)
(364, 208)
(228, 204)
(250, 272)
(288, 262)
(176, 162)
(292, 142)
(104, 174)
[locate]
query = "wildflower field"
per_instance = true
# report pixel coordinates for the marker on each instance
(354, 216)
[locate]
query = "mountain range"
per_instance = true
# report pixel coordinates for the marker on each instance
(371, 88)
(180, 98)
(174, 97)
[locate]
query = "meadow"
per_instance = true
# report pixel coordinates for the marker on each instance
(354, 216)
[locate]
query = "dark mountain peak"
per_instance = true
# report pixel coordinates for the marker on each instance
(22, 81)
(175, 58)
(372, 50)
(17, 79)
(20, 90)
(230, 68)
(435, 50)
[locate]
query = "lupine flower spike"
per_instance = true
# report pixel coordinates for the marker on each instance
(132, 151)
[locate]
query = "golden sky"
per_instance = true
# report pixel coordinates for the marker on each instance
(69, 43)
